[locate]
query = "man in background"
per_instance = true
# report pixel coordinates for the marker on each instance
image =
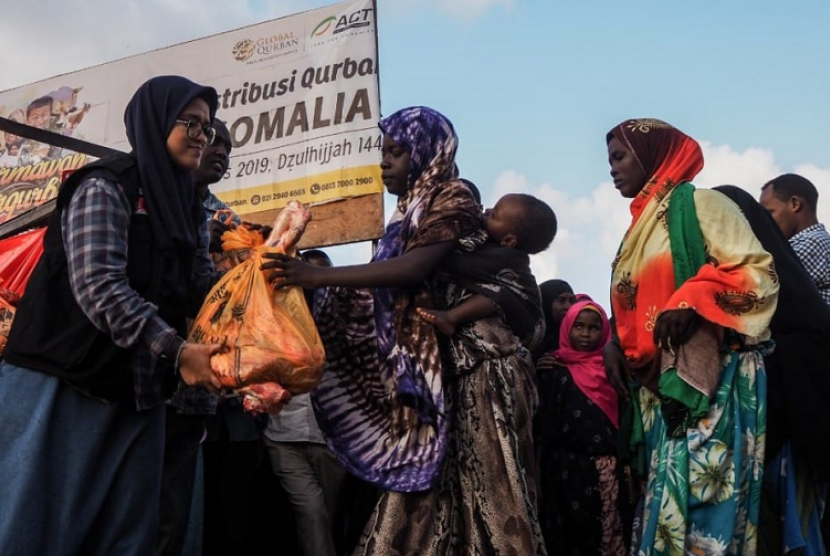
(307, 470)
(212, 169)
(231, 451)
(792, 200)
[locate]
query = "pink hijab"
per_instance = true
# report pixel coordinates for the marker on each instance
(586, 367)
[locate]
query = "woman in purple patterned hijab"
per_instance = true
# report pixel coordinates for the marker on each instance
(431, 141)
(442, 427)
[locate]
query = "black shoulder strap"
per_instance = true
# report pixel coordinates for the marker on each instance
(120, 168)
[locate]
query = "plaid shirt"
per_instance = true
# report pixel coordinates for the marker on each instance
(95, 227)
(812, 245)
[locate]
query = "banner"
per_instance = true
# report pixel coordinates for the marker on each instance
(299, 95)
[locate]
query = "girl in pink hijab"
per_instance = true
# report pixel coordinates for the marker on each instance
(581, 498)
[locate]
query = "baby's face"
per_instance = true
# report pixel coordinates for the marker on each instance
(501, 221)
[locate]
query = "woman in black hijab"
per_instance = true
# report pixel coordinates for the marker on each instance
(97, 341)
(798, 415)
(557, 298)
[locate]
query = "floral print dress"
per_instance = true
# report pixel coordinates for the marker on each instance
(704, 488)
(692, 249)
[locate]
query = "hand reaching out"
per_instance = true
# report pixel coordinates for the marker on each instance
(283, 271)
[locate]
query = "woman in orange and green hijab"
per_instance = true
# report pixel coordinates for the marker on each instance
(692, 294)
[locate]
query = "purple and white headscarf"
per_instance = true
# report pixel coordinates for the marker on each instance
(432, 144)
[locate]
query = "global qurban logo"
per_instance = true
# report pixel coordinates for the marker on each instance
(270, 46)
(336, 25)
(243, 50)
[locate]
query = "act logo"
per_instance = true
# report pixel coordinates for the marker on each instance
(323, 27)
(335, 25)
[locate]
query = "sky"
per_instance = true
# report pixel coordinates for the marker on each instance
(532, 88)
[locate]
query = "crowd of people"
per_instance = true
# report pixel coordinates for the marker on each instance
(463, 408)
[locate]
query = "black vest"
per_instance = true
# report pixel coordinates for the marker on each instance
(50, 332)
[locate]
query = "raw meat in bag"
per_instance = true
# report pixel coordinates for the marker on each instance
(272, 348)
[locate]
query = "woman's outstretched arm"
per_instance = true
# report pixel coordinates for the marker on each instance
(408, 269)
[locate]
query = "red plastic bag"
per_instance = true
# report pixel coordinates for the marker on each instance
(18, 256)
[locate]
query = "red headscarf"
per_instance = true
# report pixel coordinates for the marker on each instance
(586, 367)
(667, 156)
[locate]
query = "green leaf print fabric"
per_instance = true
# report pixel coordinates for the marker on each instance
(703, 491)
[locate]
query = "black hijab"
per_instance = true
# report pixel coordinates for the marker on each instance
(798, 370)
(551, 289)
(173, 206)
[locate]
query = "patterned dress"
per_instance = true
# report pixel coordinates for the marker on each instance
(581, 507)
(714, 468)
(704, 472)
(704, 488)
(485, 500)
(481, 499)
(442, 424)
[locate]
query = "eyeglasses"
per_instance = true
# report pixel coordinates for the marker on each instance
(194, 129)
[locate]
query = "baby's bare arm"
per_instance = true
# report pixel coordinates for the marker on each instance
(472, 309)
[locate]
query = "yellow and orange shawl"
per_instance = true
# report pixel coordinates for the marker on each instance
(737, 288)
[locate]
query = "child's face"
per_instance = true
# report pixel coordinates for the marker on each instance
(561, 304)
(501, 221)
(586, 331)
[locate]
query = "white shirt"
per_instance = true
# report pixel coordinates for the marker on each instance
(295, 423)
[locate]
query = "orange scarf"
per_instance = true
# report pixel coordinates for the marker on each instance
(737, 288)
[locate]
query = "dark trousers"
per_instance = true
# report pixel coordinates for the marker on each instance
(77, 476)
(312, 478)
(230, 469)
(181, 447)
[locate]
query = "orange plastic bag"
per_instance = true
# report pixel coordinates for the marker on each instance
(268, 334)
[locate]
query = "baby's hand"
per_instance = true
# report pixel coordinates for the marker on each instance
(441, 319)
